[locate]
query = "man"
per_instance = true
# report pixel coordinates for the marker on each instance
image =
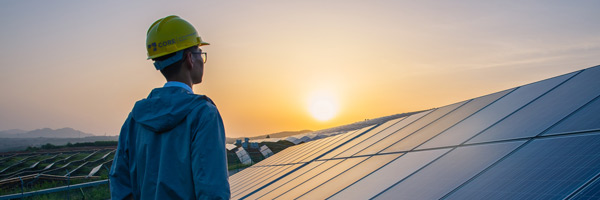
(172, 145)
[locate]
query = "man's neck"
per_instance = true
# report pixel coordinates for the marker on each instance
(179, 84)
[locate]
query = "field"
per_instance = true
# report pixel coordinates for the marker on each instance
(52, 166)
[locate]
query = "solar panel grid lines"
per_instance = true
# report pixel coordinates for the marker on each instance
(495, 112)
(267, 177)
(309, 149)
(344, 138)
(282, 180)
(584, 118)
(334, 152)
(589, 190)
(410, 129)
(251, 171)
(549, 167)
(277, 156)
(346, 150)
(366, 133)
(418, 118)
(332, 144)
(457, 115)
(351, 151)
(454, 168)
(344, 179)
(326, 140)
(385, 176)
(329, 141)
(299, 179)
(467, 141)
(306, 183)
(348, 138)
(240, 185)
(283, 157)
(567, 116)
(547, 109)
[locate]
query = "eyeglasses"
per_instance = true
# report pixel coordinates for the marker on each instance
(203, 54)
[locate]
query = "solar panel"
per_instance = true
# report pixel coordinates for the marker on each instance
(483, 119)
(587, 118)
(547, 168)
(311, 182)
(387, 175)
(348, 177)
(384, 133)
(550, 108)
(424, 134)
(591, 191)
(284, 180)
(259, 182)
(300, 179)
(443, 175)
(383, 127)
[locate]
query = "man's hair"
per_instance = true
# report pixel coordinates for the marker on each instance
(174, 68)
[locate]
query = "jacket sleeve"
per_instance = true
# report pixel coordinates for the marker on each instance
(120, 182)
(209, 156)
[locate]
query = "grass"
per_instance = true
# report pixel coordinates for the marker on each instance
(96, 192)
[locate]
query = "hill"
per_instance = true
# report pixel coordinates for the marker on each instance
(45, 133)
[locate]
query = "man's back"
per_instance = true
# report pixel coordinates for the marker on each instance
(171, 147)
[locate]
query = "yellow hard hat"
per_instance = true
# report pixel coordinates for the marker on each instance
(169, 35)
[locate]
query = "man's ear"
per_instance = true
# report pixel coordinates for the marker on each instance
(189, 60)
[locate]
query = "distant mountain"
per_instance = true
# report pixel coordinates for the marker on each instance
(45, 133)
(19, 144)
(12, 131)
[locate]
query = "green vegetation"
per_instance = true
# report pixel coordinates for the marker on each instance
(237, 166)
(96, 192)
(49, 146)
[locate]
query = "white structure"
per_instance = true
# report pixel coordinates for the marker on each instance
(265, 151)
(243, 156)
(230, 147)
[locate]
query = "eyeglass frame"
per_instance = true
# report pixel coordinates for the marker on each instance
(205, 58)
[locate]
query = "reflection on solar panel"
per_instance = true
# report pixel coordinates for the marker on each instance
(537, 141)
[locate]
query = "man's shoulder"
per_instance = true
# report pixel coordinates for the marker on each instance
(207, 99)
(205, 105)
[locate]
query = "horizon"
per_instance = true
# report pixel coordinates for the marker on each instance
(284, 66)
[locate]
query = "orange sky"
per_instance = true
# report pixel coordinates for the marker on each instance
(82, 64)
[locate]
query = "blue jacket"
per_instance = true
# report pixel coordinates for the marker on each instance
(172, 146)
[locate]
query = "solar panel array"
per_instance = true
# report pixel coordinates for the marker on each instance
(537, 141)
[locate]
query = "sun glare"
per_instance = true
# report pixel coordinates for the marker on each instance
(322, 106)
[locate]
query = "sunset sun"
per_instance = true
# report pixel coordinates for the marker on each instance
(322, 106)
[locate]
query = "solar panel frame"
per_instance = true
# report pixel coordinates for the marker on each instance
(494, 113)
(547, 110)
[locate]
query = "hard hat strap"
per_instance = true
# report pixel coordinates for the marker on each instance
(159, 65)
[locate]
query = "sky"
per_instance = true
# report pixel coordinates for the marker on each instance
(82, 64)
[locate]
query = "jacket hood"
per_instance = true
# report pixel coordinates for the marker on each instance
(165, 108)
